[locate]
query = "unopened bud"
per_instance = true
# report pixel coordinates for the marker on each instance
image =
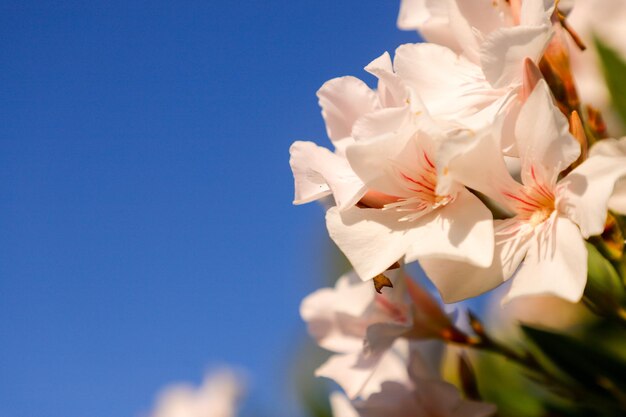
(577, 130)
(596, 124)
(428, 316)
(555, 67)
(532, 75)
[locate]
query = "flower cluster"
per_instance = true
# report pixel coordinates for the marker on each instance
(473, 158)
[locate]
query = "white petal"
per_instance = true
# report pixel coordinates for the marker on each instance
(343, 100)
(450, 86)
(360, 375)
(616, 148)
(439, 398)
(335, 317)
(503, 52)
(340, 406)
(413, 13)
(536, 12)
(466, 33)
(461, 231)
(544, 142)
(617, 202)
(384, 138)
(317, 172)
(391, 89)
(586, 191)
(457, 281)
(609, 147)
(475, 160)
(556, 263)
(374, 239)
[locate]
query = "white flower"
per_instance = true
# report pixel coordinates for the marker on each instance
(472, 71)
(421, 395)
(319, 172)
(603, 19)
(347, 104)
(365, 329)
(412, 220)
(614, 148)
(217, 397)
(552, 217)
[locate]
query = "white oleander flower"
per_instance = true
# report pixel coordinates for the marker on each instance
(410, 220)
(218, 396)
(552, 217)
(365, 329)
(614, 148)
(603, 19)
(423, 394)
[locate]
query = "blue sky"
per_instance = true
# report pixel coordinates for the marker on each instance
(146, 225)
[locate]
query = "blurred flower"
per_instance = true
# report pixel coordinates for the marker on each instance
(603, 19)
(218, 396)
(421, 395)
(547, 311)
(614, 148)
(365, 329)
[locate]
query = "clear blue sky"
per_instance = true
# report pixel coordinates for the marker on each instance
(146, 225)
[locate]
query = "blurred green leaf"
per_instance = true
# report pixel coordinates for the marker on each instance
(585, 361)
(604, 289)
(502, 382)
(614, 69)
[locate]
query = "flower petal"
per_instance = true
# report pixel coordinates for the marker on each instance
(449, 85)
(413, 13)
(384, 136)
(475, 160)
(343, 100)
(335, 317)
(361, 375)
(391, 89)
(536, 12)
(372, 239)
(586, 191)
(544, 143)
(462, 231)
(317, 172)
(503, 52)
(458, 281)
(556, 263)
(470, 21)
(340, 405)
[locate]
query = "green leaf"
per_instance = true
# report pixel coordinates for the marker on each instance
(614, 69)
(584, 361)
(604, 289)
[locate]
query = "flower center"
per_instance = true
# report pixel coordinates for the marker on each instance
(540, 216)
(534, 203)
(421, 181)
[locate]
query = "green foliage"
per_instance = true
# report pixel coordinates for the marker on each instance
(502, 382)
(598, 378)
(604, 291)
(614, 69)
